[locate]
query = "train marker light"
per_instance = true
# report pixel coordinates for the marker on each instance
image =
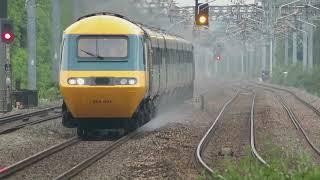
(218, 58)
(132, 81)
(124, 81)
(72, 81)
(80, 81)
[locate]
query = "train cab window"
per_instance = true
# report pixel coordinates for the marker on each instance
(102, 47)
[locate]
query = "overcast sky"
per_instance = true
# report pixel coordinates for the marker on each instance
(218, 2)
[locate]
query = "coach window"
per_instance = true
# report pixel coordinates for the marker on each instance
(159, 56)
(171, 57)
(155, 55)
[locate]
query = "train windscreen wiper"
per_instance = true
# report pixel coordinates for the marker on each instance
(91, 54)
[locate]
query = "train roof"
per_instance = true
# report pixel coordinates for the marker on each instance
(104, 24)
(119, 25)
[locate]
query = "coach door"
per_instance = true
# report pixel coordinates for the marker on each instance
(155, 53)
(151, 68)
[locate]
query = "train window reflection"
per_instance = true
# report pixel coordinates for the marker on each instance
(103, 47)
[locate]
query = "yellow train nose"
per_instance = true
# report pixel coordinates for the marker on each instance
(103, 102)
(99, 100)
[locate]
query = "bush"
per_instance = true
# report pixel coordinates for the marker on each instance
(19, 52)
(298, 78)
(249, 168)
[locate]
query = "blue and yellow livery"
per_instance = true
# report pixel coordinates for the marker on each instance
(115, 73)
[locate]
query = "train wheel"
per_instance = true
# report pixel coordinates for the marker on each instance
(147, 110)
(82, 133)
(133, 123)
(67, 119)
(154, 109)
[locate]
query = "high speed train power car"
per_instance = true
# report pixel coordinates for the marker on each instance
(115, 73)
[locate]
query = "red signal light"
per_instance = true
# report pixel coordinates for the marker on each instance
(218, 58)
(7, 37)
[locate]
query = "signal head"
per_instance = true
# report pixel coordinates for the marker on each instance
(7, 37)
(6, 30)
(202, 14)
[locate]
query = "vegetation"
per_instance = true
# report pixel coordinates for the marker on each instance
(296, 76)
(19, 52)
(250, 168)
(282, 166)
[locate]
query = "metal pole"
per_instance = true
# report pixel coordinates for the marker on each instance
(271, 56)
(274, 60)
(32, 45)
(3, 8)
(2, 78)
(228, 64)
(216, 67)
(56, 34)
(76, 9)
(5, 73)
(286, 51)
(195, 7)
(310, 48)
(264, 57)
(3, 15)
(248, 63)
(242, 62)
(305, 49)
(294, 51)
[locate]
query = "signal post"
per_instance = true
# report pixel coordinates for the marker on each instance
(7, 37)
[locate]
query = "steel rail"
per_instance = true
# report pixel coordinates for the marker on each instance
(8, 116)
(204, 141)
(24, 116)
(291, 115)
(20, 126)
(298, 125)
(91, 160)
(252, 133)
(315, 110)
(7, 171)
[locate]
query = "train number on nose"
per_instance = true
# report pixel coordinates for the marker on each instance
(101, 101)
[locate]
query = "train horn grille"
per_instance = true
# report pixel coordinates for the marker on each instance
(102, 81)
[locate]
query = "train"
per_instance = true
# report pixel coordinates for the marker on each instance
(115, 73)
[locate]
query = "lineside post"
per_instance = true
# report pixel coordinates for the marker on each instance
(202, 102)
(5, 67)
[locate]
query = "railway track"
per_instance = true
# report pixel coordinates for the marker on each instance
(291, 114)
(24, 165)
(10, 170)
(91, 160)
(200, 162)
(17, 121)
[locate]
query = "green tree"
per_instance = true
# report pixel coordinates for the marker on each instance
(19, 51)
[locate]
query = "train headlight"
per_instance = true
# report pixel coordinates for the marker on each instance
(72, 81)
(80, 81)
(132, 81)
(124, 81)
